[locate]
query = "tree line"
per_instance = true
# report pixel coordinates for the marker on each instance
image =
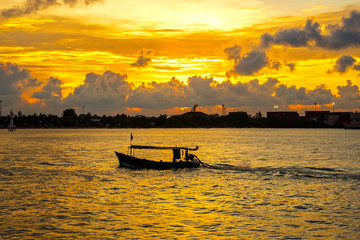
(70, 119)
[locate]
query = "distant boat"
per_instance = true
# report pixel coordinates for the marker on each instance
(130, 161)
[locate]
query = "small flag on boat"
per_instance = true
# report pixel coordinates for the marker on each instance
(131, 137)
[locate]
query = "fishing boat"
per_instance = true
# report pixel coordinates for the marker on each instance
(130, 161)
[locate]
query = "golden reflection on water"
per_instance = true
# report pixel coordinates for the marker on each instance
(58, 184)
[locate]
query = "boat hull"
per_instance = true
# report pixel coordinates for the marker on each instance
(138, 163)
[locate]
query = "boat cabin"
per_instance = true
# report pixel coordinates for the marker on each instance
(179, 153)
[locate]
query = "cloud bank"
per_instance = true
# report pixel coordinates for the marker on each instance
(110, 91)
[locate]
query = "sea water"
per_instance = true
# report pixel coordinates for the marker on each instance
(265, 184)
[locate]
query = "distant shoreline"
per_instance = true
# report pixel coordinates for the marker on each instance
(44, 128)
(70, 120)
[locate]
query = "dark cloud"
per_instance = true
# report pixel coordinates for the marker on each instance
(275, 65)
(51, 89)
(320, 95)
(291, 66)
(50, 94)
(357, 67)
(72, 3)
(295, 37)
(349, 96)
(29, 6)
(32, 6)
(106, 91)
(143, 60)
(298, 37)
(10, 78)
(159, 95)
(200, 89)
(340, 36)
(233, 53)
(266, 40)
(249, 64)
(292, 95)
(344, 63)
(13, 80)
(348, 34)
(207, 92)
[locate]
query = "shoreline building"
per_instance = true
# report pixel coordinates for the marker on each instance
(317, 115)
(354, 121)
(282, 114)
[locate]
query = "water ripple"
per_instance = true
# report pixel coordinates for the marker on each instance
(70, 188)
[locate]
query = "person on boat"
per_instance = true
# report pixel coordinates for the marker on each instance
(187, 155)
(176, 152)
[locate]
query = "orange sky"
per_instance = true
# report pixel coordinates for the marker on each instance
(152, 57)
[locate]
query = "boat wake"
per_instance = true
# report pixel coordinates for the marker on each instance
(294, 172)
(227, 167)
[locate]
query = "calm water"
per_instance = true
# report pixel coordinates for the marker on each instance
(276, 184)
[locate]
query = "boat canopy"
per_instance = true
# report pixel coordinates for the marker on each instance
(162, 148)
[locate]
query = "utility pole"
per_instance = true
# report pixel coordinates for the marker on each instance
(0, 107)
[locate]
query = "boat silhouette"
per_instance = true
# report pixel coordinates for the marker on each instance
(130, 161)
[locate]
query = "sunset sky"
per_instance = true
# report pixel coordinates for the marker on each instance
(164, 56)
